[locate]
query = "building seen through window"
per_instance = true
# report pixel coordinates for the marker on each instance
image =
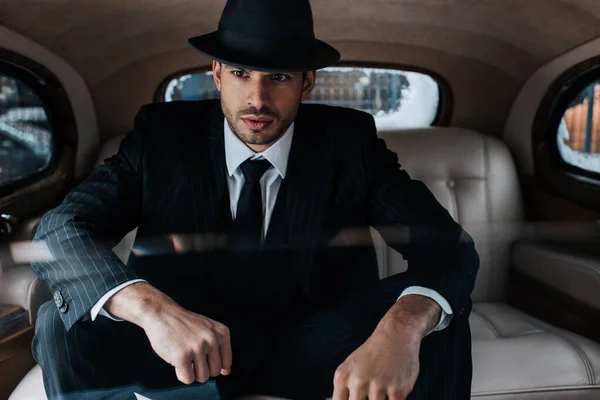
(25, 133)
(397, 99)
(578, 136)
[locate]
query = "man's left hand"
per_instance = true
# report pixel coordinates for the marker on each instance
(385, 366)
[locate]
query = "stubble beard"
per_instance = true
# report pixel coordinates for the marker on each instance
(253, 137)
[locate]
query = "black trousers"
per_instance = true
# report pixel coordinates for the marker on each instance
(294, 359)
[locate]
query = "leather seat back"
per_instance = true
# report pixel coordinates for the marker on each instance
(474, 178)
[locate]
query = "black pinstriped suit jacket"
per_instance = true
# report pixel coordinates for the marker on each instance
(170, 175)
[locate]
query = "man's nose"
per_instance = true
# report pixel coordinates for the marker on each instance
(259, 95)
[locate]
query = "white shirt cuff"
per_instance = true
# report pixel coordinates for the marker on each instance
(98, 309)
(445, 314)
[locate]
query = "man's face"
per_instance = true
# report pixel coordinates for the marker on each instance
(260, 106)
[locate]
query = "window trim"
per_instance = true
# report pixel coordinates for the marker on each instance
(446, 100)
(61, 119)
(560, 177)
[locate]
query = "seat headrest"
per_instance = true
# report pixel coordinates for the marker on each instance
(447, 153)
(108, 148)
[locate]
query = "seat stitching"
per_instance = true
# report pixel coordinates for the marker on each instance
(584, 358)
(454, 201)
(542, 389)
(489, 323)
(529, 332)
(488, 213)
(486, 179)
(442, 179)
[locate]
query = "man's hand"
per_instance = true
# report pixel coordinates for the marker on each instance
(197, 346)
(387, 364)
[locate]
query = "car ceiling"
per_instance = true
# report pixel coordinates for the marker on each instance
(101, 37)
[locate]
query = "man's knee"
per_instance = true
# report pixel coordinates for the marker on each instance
(445, 359)
(49, 329)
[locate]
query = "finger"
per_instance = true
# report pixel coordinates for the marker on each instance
(185, 372)
(396, 394)
(201, 367)
(340, 388)
(377, 392)
(214, 361)
(358, 391)
(226, 353)
(340, 392)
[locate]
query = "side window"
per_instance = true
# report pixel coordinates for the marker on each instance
(396, 98)
(578, 134)
(26, 141)
(566, 135)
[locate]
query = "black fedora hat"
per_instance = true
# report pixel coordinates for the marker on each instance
(268, 36)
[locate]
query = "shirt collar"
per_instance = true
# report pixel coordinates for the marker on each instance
(236, 151)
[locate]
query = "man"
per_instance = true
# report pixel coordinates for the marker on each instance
(251, 205)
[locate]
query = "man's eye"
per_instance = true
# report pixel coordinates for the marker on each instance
(280, 77)
(239, 74)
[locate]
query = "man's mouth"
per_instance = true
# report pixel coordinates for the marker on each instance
(257, 122)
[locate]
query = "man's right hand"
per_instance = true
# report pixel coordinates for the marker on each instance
(198, 347)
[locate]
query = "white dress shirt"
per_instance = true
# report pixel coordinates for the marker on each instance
(236, 152)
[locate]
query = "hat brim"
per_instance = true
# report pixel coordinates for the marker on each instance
(323, 56)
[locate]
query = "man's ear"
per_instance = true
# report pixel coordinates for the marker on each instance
(308, 84)
(217, 67)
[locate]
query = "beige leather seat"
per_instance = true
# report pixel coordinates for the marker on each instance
(515, 356)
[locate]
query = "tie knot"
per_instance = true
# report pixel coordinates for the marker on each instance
(253, 170)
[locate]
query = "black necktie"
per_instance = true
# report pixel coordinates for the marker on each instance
(249, 214)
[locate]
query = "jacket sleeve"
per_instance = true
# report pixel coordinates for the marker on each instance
(441, 255)
(81, 232)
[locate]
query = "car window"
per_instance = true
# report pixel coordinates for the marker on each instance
(578, 135)
(25, 131)
(396, 98)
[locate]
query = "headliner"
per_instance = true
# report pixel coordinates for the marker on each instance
(101, 37)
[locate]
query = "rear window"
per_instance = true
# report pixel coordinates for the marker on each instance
(396, 98)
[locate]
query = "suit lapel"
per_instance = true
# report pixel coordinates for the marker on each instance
(311, 171)
(310, 175)
(208, 172)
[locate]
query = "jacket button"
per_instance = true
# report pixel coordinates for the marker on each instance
(58, 299)
(450, 183)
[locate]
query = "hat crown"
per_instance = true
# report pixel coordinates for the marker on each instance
(267, 35)
(262, 18)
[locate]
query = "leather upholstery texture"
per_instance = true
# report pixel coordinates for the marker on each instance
(23, 287)
(520, 357)
(474, 178)
(573, 272)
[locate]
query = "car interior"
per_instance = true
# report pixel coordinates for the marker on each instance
(494, 105)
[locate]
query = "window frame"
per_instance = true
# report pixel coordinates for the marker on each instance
(445, 106)
(557, 175)
(56, 176)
